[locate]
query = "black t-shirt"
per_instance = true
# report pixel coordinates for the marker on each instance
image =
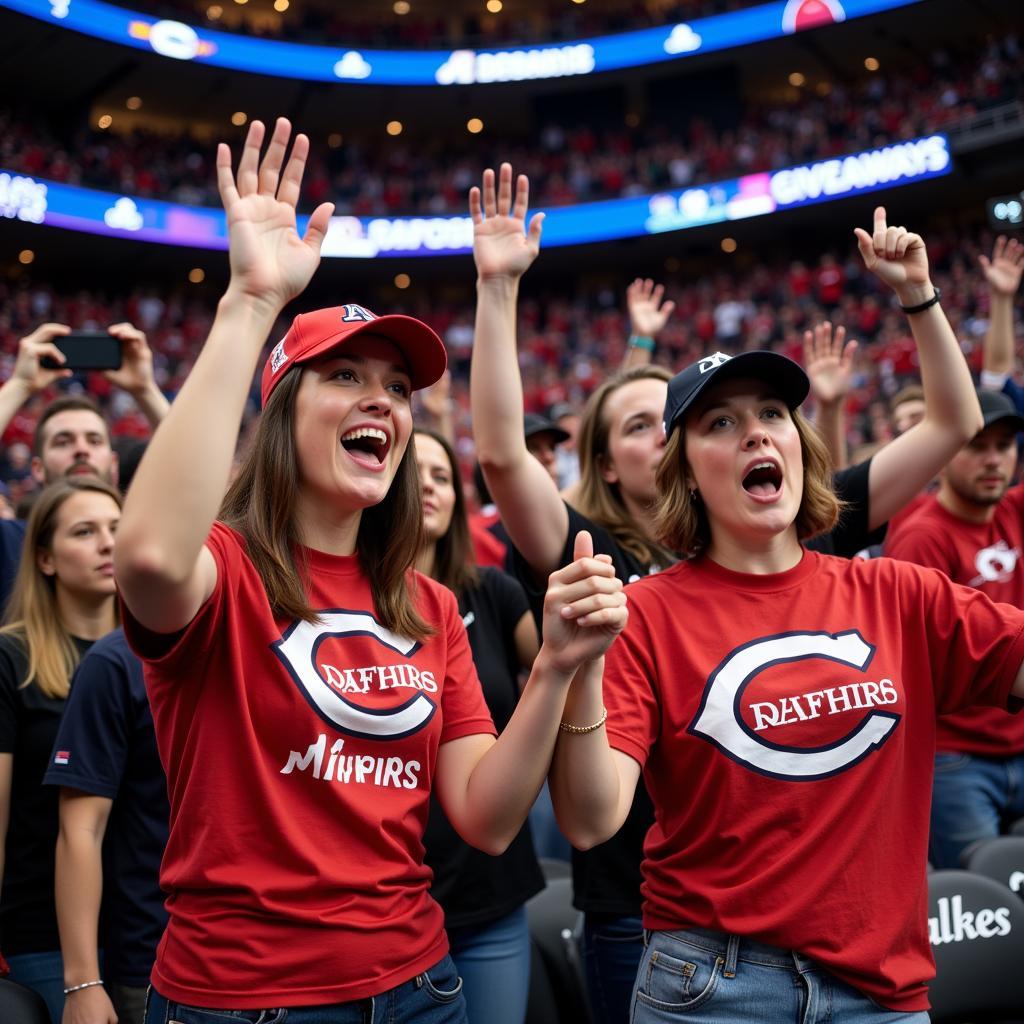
(12, 536)
(851, 533)
(28, 728)
(471, 886)
(106, 746)
(606, 878)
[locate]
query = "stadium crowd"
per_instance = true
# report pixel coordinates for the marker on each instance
(365, 176)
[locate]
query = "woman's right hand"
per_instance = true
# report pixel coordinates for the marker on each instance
(502, 245)
(584, 608)
(89, 1006)
(270, 263)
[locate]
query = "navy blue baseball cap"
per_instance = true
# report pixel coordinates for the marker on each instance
(782, 374)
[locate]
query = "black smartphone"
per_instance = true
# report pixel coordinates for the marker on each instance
(87, 350)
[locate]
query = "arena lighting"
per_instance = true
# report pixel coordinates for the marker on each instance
(148, 220)
(180, 41)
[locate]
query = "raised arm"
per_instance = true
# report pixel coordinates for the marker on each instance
(648, 315)
(952, 415)
(79, 888)
(829, 363)
(164, 571)
(487, 786)
(527, 498)
(1002, 273)
(29, 375)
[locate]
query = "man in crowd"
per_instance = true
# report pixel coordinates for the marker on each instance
(972, 529)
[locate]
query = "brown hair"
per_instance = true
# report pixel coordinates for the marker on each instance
(32, 614)
(454, 559)
(261, 506)
(599, 500)
(910, 393)
(682, 521)
(64, 404)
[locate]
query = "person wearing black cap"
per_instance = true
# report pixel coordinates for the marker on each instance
(972, 529)
(309, 690)
(542, 440)
(781, 704)
(621, 444)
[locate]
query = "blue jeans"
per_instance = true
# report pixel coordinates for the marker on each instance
(721, 979)
(493, 961)
(433, 997)
(972, 797)
(43, 972)
(612, 948)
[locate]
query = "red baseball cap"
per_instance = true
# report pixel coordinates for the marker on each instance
(317, 333)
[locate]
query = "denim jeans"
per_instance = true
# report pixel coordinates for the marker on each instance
(715, 978)
(433, 997)
(493, 961)
(612, 947)
(972, 797)
(43, 972)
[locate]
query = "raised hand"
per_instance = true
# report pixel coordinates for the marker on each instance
(269, 261)
(828, 362)
(502, 244)
(29, 372)
(647, 313)
(898, 257)
(584, 608)
(1003, 270)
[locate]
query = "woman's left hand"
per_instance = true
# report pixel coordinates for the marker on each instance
(584, 608)
(898, 257)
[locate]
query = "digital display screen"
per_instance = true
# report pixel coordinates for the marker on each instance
(65, 206)
(177, 40)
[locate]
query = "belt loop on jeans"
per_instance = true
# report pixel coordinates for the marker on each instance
(732, 955)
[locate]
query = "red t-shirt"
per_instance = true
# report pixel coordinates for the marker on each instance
(786, 727)
(982, 555)
(299, 765)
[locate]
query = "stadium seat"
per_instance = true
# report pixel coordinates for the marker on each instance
(1000, 858)
(557, 987)
(21, 1005)
(976, 929)
(1017, 828)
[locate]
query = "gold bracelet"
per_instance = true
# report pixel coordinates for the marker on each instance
(579, 730)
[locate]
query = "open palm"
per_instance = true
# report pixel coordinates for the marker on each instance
(269, 261)
(502, 244)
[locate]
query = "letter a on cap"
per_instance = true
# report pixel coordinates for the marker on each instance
(355, 313)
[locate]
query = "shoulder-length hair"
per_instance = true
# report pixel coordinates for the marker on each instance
(600, 500)
(454, 559)
(32, 615)
(261, 506)
(681, 519)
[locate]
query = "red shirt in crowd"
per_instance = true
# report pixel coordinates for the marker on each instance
(786, 729)
(982, 555)
(300, 760)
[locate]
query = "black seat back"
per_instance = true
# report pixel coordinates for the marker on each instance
(21, 1005)
(976, 927)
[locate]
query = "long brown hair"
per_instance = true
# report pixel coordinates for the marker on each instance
(599, 500)
(454, 559)
(682, 520)
(32, 615)
(261, 506)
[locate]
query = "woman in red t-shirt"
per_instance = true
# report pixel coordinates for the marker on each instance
(782, 707)
(310, 691)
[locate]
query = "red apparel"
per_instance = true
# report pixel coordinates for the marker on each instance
(786, 728)
(300, 760)
(982, 555)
